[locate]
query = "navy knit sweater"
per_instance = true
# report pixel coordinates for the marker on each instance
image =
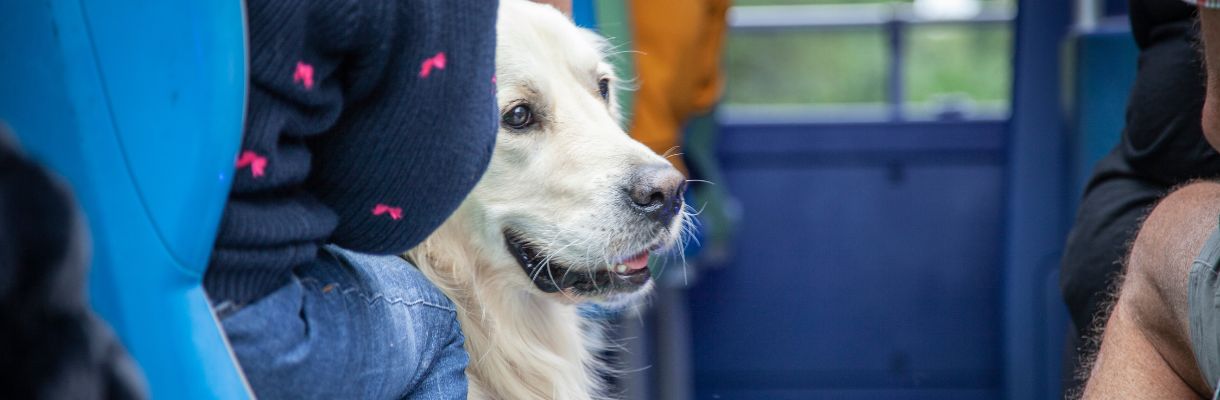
(367, 123)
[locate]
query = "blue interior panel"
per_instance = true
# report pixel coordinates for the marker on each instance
(862, 265)
(1101, 71)
(849, 394)
(138, 105)
(177, 129)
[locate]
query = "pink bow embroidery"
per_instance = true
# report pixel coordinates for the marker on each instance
(257, 163)
(303, 75)
(437, 61)
(395, 212)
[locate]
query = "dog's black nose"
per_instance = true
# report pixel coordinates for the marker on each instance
(656, 190)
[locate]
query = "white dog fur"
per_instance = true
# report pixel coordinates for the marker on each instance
(558, 184)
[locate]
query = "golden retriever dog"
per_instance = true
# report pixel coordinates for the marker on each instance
(568, 212)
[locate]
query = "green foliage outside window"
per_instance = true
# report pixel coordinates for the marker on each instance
(959, 61)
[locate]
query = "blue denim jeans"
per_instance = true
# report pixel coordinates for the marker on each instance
(350, 326)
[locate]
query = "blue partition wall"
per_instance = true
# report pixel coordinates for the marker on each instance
(866, 266)
(899, 260)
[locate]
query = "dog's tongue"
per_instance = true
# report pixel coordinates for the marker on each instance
(638, 262)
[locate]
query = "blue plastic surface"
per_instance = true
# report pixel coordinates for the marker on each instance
(867, 264)
(1102, 68)
(584, 13)
(139, 106)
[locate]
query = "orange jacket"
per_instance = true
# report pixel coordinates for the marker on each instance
(678, 64)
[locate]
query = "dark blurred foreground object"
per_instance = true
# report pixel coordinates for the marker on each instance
(51, 344)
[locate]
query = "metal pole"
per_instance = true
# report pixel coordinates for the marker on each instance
(1088, 12)
(894, 93)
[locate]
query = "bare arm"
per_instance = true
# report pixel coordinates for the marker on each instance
(1210, 32)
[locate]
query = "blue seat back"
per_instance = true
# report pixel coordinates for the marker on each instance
(139, 105)
(1101, 69)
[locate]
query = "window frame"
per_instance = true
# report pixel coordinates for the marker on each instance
(893, 19)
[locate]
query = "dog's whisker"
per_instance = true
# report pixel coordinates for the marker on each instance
(594, 279)
(537, 269)
(670, 152)
(616, 47)
(615, 53)
(546, 262)
(685, 275)
(552, 275)
(690, 210)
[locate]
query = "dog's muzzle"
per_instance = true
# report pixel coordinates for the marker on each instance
(551, 277)
(655, 190)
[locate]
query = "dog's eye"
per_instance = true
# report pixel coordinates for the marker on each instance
(603, 87)
(519, 117)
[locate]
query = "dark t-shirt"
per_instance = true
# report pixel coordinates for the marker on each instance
(1147, 15)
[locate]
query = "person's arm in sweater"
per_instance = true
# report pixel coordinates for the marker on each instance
(413, 143)
(368, 122)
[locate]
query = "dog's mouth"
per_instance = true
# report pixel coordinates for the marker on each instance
(550, 276)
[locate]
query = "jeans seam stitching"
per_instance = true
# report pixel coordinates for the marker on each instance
(373, 299)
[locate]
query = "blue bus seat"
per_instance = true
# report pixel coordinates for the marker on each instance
(584, 13)
(1101, 68)
(139, 105)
